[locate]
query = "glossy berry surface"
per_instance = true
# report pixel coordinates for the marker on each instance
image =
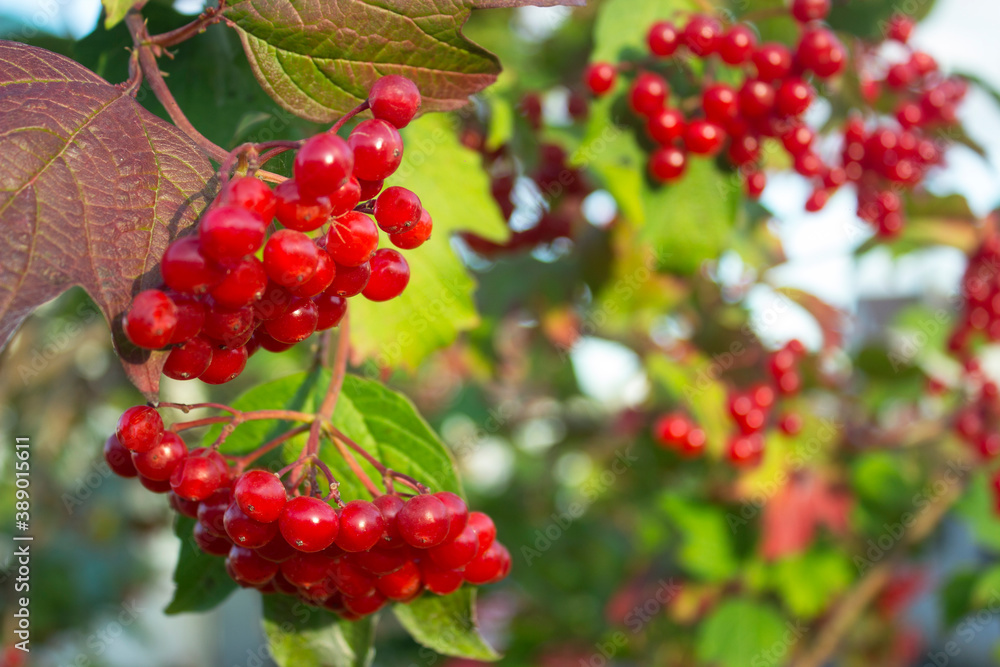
(308, 524)
(663, 39)
(361, 526)
(246, 532)
(260, 494)
(352, 239)
(151, 320)
(299, 212)
(322, 165)
(394, 99)
(118, 458)
(600, 78)
(667, 164)
(139, 429)
(415, 236)
(648, 94)
(397, 209)
(295, 325)
(423, 521)
(290, 257)
(389, 277)
(378, 150)
(158, 463)
(228, 233)
(199, 475)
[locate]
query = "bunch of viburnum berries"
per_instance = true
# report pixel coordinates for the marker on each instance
(239, 284)
(352, 558)
(880, 155)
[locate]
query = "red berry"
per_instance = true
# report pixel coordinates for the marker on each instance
(439, 580)
(790, 424)
(423, 521)
(290, 257)
(756, 98)
(210, 543)
(158, 463)
(489, 566)
(378, 150)
(820, 51)
(810, 10)
(793, 97)
(249, 567)
(345, 198)
(900, 27)
(395, 99)
(118, 458)
(296, 325)
(199, 475)
(665, 126)
(303, 214)
(322, 277)
(322, 165)
(694, 442)
(260, 494)
(363, 606)
(798, 139)
(389, 277)
(702, 35)
(671, 429)
(667, 164)
(648, 94)
(458, 552)
(485, 529)
(186, 270)
(350, 280)
(243, 283)
(746, 450)
(151, 319)
(188, 508)
(277, 550)
(379, 561)
(600, 78)
(212, 510)
(744, 150)
(251, 194)
(226, 365)
(307, 569)
(401, 585)
(330, 310)
(737, 45)
(389, 506)
(352, 580)
(155, 485)
(369, 189)
(352, 239)
(458, 513)
(361, 526)
(756, 181)
(817, 200)
(229, 233)
(308, 524)
(274, 302)
(139, 429)
(228, 326)
(663, 39)
(900, 76)
(246, 532)
(415, 236)
(808, 164)
(719, 103)
(773, 61)
(703, 137)
(397, 209)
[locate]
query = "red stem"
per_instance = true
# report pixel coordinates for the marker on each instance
(350, 114)
(186, 32)
(243, 461)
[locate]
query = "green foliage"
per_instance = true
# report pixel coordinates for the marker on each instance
(446, 624)
(742, 632)
(302, 636)
(200, 579)
(807, 582)
(706, 549)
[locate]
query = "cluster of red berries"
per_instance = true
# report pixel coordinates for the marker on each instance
(980, 315)
(752, 411)
(351, 560)
(233, 288)
(770, 102)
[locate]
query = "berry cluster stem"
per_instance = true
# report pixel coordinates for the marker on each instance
(207, 18)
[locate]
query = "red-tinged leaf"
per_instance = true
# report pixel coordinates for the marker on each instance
(830, 319)
(318, 58)
(92, 190)
(791, 517)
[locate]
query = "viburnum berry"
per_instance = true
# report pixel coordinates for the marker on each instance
(361, 526)
(389, 506)
(303, 214)
(229, 233)
(322, 165)
(666, 126)
(188, 508)
(790, 424)
(702, 34)
(756, 98)
(394, 99)
(321, 278)
(212, 510)
(150, 320)
(379, 560)
(900, 27)
(600, 78)
(190, 317)
(308, 524)
(703, 137)
(378, 149)
(458, 513)
(719, 103)
(744, 149)
(307, 569)
(229, 326)
(278, 550)
(773, 61)
(260, 494)
(295, 325)
(246, 532)
(210, 543)
(139, 429)
(352, 580)
(330, 310)
(663, 39)
(401, 585)
(746, 450)
(485, 529)
(389, 277)
(489, 566)
(810, 10)
(369, 189)
(118, 458)
(350, 280)
(251, 194)
(423, 521)
(352, 239)
(648, 94)
(345, 198)
(755, 183)
(155, 485)
(290, 257)
(459, 552)
(158, 463)
(397, 209)
(247, 565)
(199, 474)
(820, 51)
(667, 164)
(440, 580)
(793, 96)
(243, 283)
(186, 270)
(415, 236)
(227, 363)
(737, 45)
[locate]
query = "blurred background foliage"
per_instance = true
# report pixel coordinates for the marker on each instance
(623, 553)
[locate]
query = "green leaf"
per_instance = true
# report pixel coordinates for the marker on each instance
(808, 582)
(318, 58)
(956, 596)
(446, 624)
(986, 592)
(437, 304)
(977, 508)
(115, 11)
(742, 632)
(302, 636)
(621, 27)
(200, 579)
(706, 550)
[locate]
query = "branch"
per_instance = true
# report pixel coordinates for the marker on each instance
(186, 32)
(854, 603)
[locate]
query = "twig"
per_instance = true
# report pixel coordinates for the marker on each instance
(350, 114)
(185, 32)
(356, 468)
(242, 461)
(337, 434)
